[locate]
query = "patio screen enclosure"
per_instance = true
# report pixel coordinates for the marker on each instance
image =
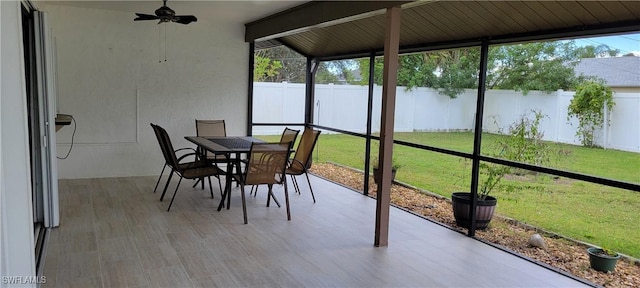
(483, 42)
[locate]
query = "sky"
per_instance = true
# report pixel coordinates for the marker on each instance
(626, 43)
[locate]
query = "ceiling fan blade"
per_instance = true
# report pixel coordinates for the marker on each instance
(184, 19)
(145, 17)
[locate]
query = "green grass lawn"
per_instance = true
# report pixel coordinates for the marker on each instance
(584, 211)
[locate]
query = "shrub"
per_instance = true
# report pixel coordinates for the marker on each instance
(588, 106)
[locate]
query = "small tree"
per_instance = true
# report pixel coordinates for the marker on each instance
(524, 143)
(491, 175)
(588, 104)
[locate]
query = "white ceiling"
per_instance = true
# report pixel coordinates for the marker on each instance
(238, 11)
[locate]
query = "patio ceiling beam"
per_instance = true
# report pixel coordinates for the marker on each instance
(389, 82)
(312, 15)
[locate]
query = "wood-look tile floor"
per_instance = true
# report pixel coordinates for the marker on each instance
(114, 232)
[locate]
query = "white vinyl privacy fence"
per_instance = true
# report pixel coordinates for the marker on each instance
(424, 110)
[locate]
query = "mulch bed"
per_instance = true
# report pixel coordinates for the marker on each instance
(564, 254)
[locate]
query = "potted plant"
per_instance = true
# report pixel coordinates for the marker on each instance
(602, 259)
(377, 174)
(522, 143)
(486, 204)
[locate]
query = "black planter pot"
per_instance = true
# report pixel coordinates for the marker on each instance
(600, 261)
(461, 202)
(377, 174)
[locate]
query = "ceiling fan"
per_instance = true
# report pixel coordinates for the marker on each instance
(166, 14)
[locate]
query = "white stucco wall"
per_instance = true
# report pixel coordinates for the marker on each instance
(16, 222)
(111, 81)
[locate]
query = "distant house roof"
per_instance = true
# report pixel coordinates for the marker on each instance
(617, 71)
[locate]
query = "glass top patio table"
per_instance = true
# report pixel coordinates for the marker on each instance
(226, 145)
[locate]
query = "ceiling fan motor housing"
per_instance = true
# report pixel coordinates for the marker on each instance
(165, 14)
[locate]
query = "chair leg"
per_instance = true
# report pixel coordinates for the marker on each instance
(244, 205)
(270, 195)
(220, 185)
(166, 185)
(210, 187)
(238, 167)
(298, 186)
(286, 199)
(228, 185)
(196, 184)
(174, 194)
(225, 194)
(310, 189)
(295, 183)
(159, 177)
(202, 182)
(229, 197)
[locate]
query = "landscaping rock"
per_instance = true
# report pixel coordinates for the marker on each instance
(537, 241)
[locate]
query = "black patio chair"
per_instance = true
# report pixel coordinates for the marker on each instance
(190, 170)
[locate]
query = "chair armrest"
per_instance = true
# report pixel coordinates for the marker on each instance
(194, 150)
(297, 162)
(194, 153)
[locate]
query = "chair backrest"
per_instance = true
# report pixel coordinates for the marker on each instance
(165, 143)
(289, 135)
(302, 158)
(160, 141)
(267, 163)
(210, 128)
